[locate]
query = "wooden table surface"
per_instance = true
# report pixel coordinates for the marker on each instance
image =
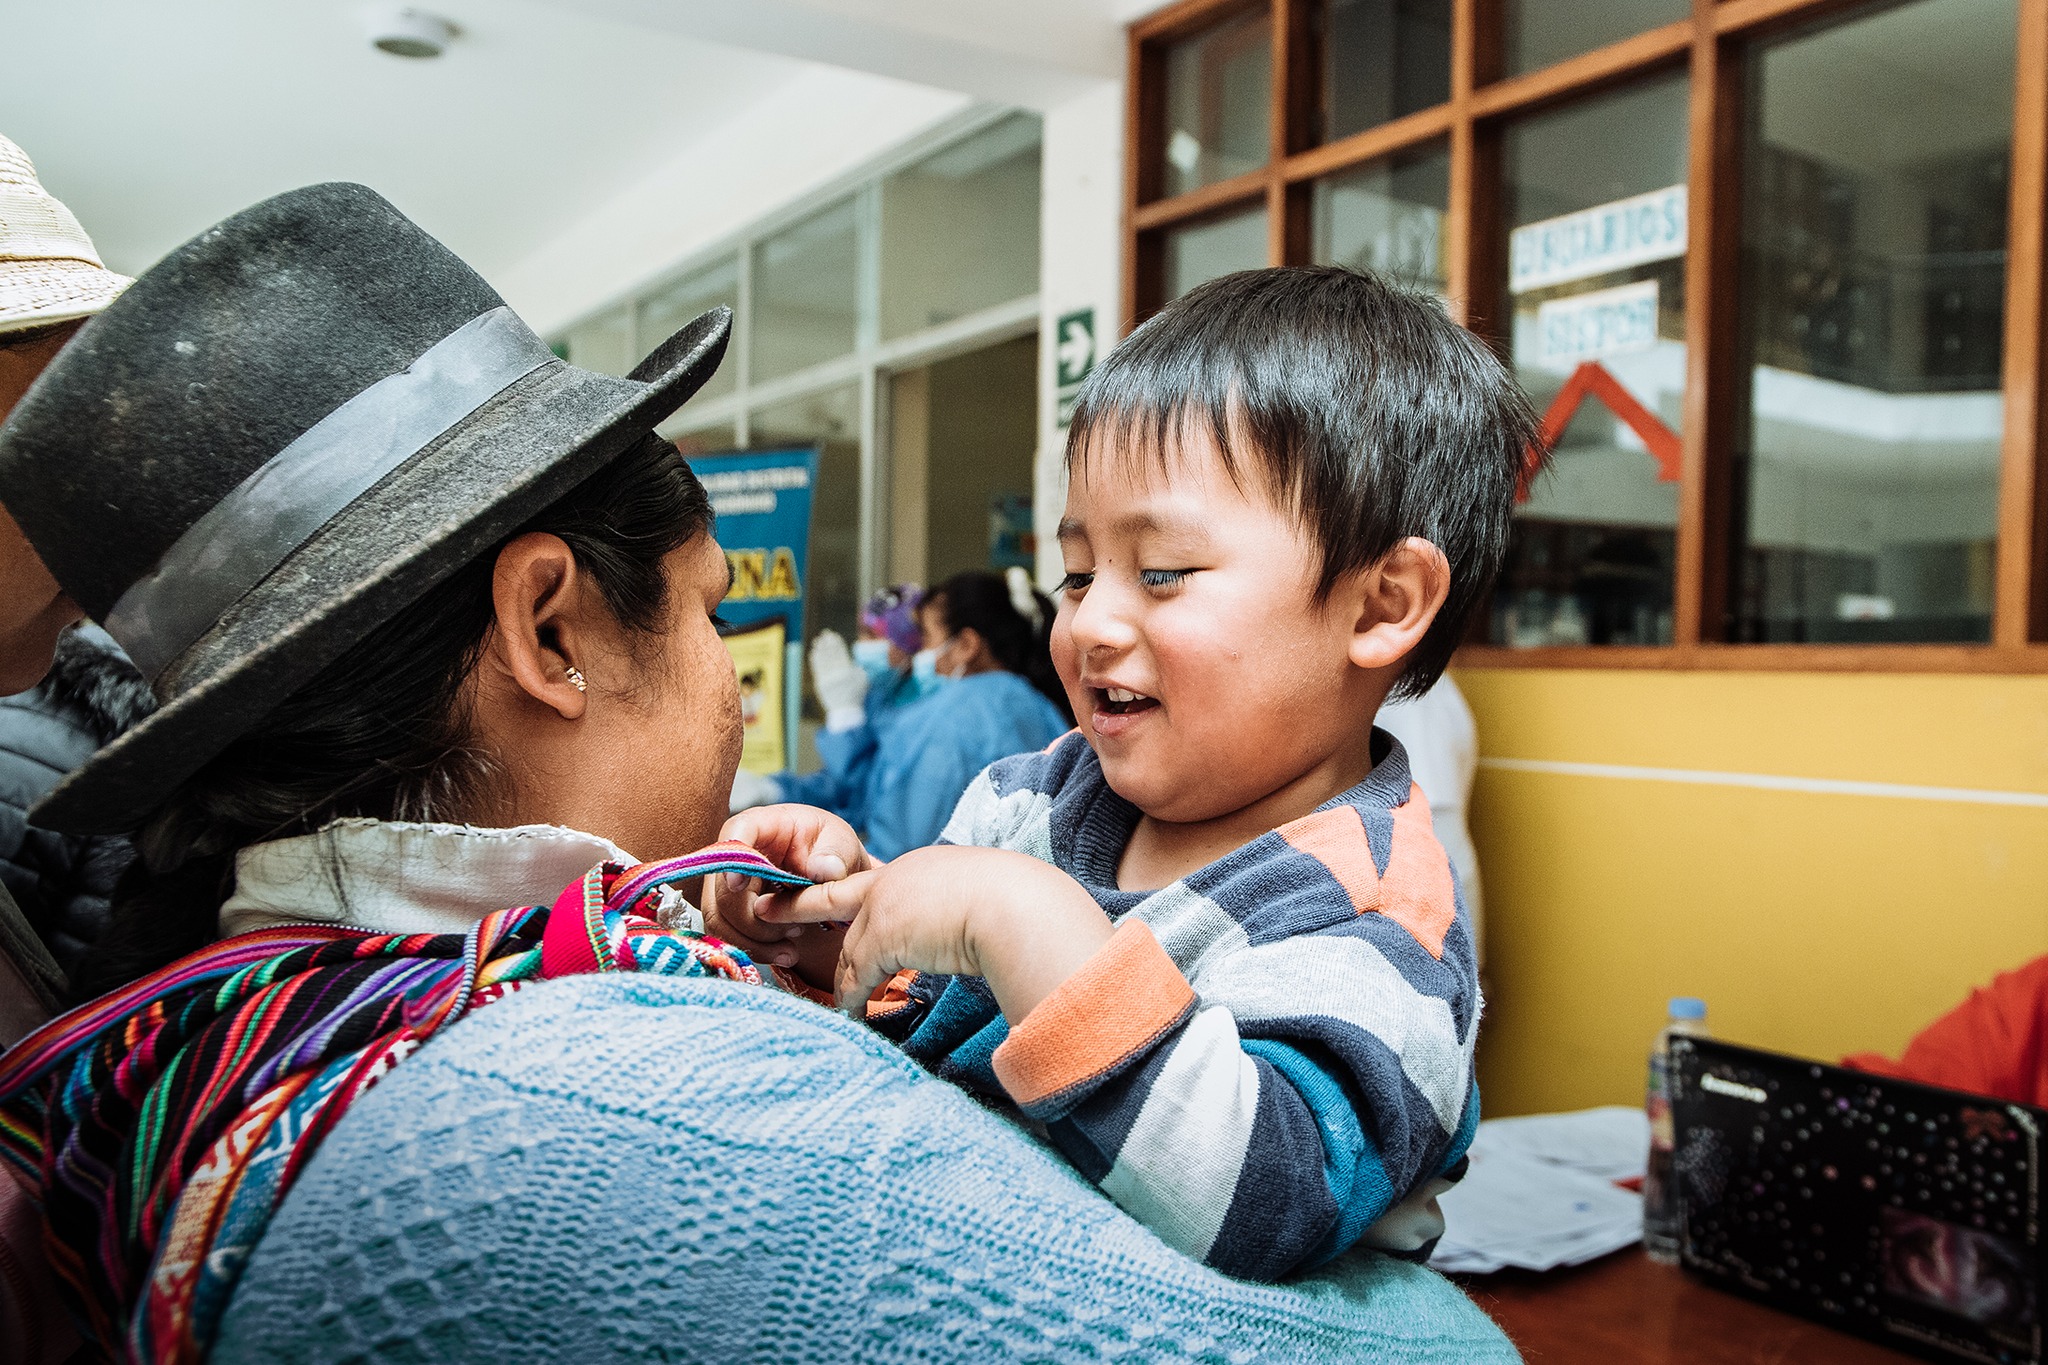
(1625, 1309)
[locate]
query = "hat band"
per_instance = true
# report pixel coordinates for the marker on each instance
(247, 534)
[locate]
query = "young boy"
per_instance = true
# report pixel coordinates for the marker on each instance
(1208, 940)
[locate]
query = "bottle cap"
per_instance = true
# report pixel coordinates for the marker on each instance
(1688, 1007)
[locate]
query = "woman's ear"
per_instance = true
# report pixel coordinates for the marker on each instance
(543, 638)
(970, 652)
(1397, 601)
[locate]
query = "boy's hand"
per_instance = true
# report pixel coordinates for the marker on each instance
(807, 841)
(1021, 924)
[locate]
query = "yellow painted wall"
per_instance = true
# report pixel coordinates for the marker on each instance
(1814, 923)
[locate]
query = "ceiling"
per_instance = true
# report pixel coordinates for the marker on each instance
(153, 120)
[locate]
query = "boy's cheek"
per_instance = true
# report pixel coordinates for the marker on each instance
(1066, 660)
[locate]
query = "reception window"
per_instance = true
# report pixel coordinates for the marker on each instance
(1873, 305)
(1594, 217)
(1771, 275)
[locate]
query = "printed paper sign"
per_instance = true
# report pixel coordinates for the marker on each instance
(1597, 241)
(757, 656)
(1603, 322)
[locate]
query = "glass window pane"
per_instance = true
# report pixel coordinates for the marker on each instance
(1382, 59)
(830, 420)
(1388, 216)
(668, 309)
(1596, 204)
(1219, 102)
(806, 294)
(1202, 251)
(1540, 32)
(603, 343)
(1874, 242)
(960, 229)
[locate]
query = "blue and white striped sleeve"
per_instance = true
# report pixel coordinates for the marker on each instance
(1272, 1065)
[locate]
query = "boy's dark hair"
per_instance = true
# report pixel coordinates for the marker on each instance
(1355, 399)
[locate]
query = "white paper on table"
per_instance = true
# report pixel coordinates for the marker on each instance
(1517, 1208)
(1612, 1142)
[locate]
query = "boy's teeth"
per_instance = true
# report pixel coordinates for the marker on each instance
(1118, 694)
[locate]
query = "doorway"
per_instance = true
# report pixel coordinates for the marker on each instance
(962, 436)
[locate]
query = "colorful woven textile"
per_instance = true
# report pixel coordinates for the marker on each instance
(163, 1123)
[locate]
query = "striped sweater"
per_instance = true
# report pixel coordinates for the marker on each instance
(1270, 1061)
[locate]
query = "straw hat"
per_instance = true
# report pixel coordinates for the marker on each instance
(49, 271)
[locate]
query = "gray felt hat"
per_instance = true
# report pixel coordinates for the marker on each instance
(293, 426)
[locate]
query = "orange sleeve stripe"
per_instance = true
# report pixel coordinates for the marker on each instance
(891, 996)
(787, 978)
(1336, 839)
(1417, 893)
(1121, 999)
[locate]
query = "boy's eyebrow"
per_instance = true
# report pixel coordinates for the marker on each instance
(1131, 524)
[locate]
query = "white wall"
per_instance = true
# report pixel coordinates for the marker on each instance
(1080, 248)
(821, 123)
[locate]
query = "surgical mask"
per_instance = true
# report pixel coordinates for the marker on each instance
(873, 658)
(924, 666)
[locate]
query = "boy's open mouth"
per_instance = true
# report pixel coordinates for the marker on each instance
(1118, 701)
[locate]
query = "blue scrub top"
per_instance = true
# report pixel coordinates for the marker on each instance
(841, 786)
(930, 751)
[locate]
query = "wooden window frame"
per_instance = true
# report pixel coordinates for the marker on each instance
(1709, 44)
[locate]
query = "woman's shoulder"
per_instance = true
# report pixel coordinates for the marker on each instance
(515, 1118)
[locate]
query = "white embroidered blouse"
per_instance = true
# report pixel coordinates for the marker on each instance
(400, 877)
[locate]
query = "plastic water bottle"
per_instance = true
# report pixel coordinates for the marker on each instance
(1661, 1224)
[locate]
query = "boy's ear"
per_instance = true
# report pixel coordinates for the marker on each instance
(1398, 599)
(539, 632)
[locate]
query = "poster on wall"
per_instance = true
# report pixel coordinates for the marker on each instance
(1012, 540)
(762, 499)
(758, 655)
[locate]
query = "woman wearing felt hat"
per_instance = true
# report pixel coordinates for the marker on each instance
(399, 1052)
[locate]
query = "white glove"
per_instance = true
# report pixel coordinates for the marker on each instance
(842, 685)
(752, 789)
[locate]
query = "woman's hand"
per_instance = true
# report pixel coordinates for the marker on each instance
(807, 841)
(1021, 924)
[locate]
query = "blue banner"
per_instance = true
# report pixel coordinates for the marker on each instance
(762, 500)
(763, 503)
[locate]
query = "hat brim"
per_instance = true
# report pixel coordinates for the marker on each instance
(482, 480)
(42, 293)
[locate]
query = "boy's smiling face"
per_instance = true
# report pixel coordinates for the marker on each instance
(1203, 670)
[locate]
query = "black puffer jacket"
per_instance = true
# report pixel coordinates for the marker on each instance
(62, 880)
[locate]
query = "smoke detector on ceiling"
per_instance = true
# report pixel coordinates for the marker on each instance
(406, 32)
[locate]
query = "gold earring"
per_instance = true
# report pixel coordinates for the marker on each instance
(576, 679)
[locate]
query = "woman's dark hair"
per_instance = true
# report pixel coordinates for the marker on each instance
(985, 603)
(383, 731)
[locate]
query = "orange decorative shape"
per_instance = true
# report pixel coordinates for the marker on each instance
(1417, 892)
(1336, 839)
(1593, 378)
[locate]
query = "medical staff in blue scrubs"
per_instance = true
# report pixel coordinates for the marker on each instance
(985, 642)
(861, 689)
